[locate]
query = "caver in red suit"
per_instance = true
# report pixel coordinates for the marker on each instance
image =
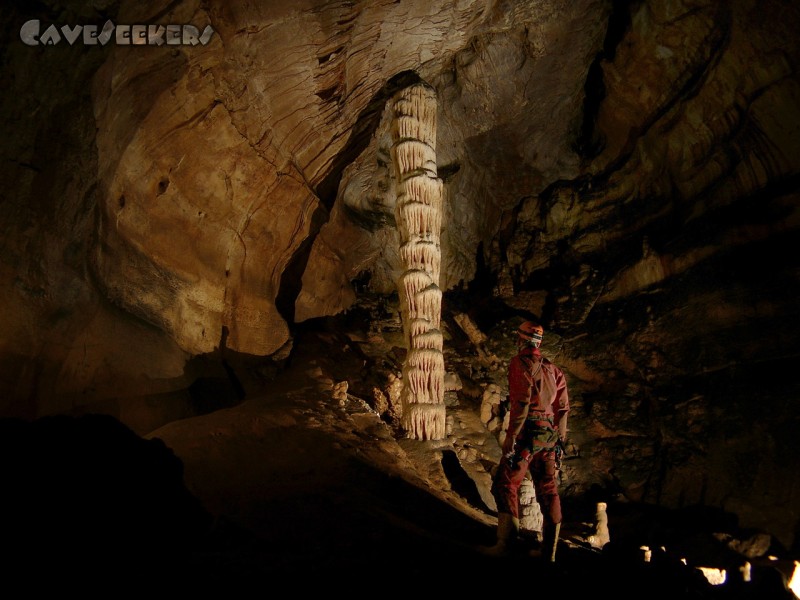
(539, 405)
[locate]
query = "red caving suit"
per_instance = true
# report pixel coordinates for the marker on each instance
(538, 401)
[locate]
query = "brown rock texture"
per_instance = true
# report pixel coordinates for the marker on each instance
(626, 172)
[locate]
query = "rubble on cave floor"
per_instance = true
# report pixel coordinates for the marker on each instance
(349, 359)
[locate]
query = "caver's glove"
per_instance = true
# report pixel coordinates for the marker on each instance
(561, 451)
(509, 451)
(509, 446)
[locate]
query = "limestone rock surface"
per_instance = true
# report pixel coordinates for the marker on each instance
(626, 172)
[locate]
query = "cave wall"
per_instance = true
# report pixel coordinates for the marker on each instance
(625, 170)
(62, 343)
(189, 184)
(669, 268)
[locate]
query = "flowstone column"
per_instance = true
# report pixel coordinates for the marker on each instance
(418, 214)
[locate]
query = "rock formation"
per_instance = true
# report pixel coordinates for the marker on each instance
(601, 535)
(626, 171)
(419, 220)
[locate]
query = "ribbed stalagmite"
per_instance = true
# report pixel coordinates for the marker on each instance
(419, 220)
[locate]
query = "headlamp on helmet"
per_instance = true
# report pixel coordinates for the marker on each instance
(531, 333)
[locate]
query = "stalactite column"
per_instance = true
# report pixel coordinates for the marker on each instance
(419, 218)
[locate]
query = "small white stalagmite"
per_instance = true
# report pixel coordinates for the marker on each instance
(601, 535)
(419, 220)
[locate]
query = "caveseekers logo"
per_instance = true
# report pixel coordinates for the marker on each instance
(123, 35)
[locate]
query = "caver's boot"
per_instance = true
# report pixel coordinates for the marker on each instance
(536, 548)
(507, 532)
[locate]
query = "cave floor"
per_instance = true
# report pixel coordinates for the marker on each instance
(322, 494)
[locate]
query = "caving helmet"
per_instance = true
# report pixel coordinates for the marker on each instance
(530, 333)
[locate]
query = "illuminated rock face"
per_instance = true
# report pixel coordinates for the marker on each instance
(162, 197)
(530, 513)
(626, 170)
(419, 220)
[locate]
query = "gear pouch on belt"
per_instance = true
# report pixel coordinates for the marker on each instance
(539, 434)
